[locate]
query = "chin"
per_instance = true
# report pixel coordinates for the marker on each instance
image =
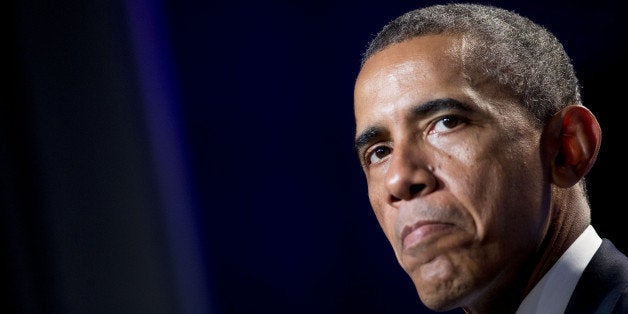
(440, 299)
(439, 285)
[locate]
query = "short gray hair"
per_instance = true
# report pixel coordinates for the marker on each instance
(501, 46)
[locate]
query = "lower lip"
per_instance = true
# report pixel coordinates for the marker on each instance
(425, 233)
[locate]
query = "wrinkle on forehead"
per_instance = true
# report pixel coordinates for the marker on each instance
(385, 81)
(385, 73)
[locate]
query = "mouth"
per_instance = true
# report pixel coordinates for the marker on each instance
(422, 232)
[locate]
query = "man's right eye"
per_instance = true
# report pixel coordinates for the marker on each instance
(377, 154)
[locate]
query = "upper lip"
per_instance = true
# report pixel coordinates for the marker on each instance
(409, 228)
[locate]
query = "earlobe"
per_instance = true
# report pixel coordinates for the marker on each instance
(578, 140)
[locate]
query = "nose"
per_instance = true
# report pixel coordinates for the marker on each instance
(409, 175)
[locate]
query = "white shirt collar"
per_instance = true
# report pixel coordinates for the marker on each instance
(552, 293)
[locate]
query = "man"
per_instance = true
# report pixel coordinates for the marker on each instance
(474, 142)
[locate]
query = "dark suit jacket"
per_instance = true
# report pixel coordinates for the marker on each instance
(603, 287)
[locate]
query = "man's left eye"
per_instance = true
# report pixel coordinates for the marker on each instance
(445, 124)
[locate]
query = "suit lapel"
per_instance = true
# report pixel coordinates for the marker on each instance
(602, 282)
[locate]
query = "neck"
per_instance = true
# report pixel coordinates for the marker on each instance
(569, 217)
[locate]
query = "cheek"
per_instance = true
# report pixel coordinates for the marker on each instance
(459, 150)
(386, 216)
(477, 173)
(498, 185)
(461, 167)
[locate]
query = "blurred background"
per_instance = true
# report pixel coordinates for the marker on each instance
(196, 156)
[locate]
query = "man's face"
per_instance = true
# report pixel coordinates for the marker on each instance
(454, 171)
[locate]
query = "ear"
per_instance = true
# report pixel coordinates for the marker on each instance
(576, 137)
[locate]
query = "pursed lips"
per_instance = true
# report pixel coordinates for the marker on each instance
(421, 231)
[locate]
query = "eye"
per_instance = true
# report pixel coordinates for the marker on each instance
(445, 124)
(377, 154)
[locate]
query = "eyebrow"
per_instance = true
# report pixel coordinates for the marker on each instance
(371, 134)
(367, 136)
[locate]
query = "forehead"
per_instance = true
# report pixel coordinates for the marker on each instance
(424, 50)
(394, 81)
(413, 71)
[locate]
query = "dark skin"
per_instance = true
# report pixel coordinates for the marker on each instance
(475, 199)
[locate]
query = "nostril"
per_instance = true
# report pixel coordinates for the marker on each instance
(416, 189)
(394, 199)
(413, 191)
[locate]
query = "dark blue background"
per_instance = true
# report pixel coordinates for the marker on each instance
(196, 156)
